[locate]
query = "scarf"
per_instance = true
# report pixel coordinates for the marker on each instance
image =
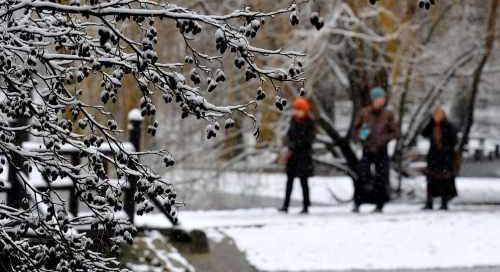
(301, 120)
(438, 135)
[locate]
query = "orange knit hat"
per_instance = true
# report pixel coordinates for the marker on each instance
(301, 104)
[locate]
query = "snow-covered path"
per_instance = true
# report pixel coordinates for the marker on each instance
(331, 238)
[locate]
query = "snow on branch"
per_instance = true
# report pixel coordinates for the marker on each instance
(47, 48)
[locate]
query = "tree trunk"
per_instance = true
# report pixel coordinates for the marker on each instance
(476, 78)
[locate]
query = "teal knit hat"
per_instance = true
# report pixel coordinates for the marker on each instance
(377, 92)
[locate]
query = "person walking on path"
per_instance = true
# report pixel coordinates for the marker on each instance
(298, 152)
(376, 127)
(441, 159)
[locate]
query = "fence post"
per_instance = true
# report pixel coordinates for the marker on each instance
(135, 120)
(17, 191)
(73, 197)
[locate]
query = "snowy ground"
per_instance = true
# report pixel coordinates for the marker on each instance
(331, 238)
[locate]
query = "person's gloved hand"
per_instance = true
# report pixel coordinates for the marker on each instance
(285, 155)
(364, 132)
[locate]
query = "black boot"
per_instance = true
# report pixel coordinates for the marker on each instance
(355, 209)
(283, 209)
(428, 205)
(305, 210)
(379, 208)
(427, 208)
(444, 204)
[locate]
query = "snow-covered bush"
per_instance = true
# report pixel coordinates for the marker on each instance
(47, 49)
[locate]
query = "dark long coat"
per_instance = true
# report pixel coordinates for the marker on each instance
(299, 140)
(440, 170)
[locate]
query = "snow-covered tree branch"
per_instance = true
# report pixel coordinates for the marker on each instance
(47, 50)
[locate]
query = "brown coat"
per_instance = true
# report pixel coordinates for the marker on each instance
(382, 126)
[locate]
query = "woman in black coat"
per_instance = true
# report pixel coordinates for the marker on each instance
(440, 169)
(299, 161)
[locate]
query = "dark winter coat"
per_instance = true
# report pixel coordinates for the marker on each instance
(299, 140)
(441, 160)
(382, 128)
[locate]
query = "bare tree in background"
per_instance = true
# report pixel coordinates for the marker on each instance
(413, 53)
(489, 41)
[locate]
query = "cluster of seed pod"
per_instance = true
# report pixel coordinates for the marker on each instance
(426, 3)
(421, 3)
(212, 130)
(280, 102)
(188, 26)
(260, 94)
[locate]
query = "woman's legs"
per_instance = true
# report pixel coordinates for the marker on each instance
(381, 180)
(429, 202)
(364, 176)
(288, 192)
(305, 194)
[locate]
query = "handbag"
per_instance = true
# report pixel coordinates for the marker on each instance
(457, 162)
(284, 156)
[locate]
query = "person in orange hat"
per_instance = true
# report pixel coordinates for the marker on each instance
(299, 162)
